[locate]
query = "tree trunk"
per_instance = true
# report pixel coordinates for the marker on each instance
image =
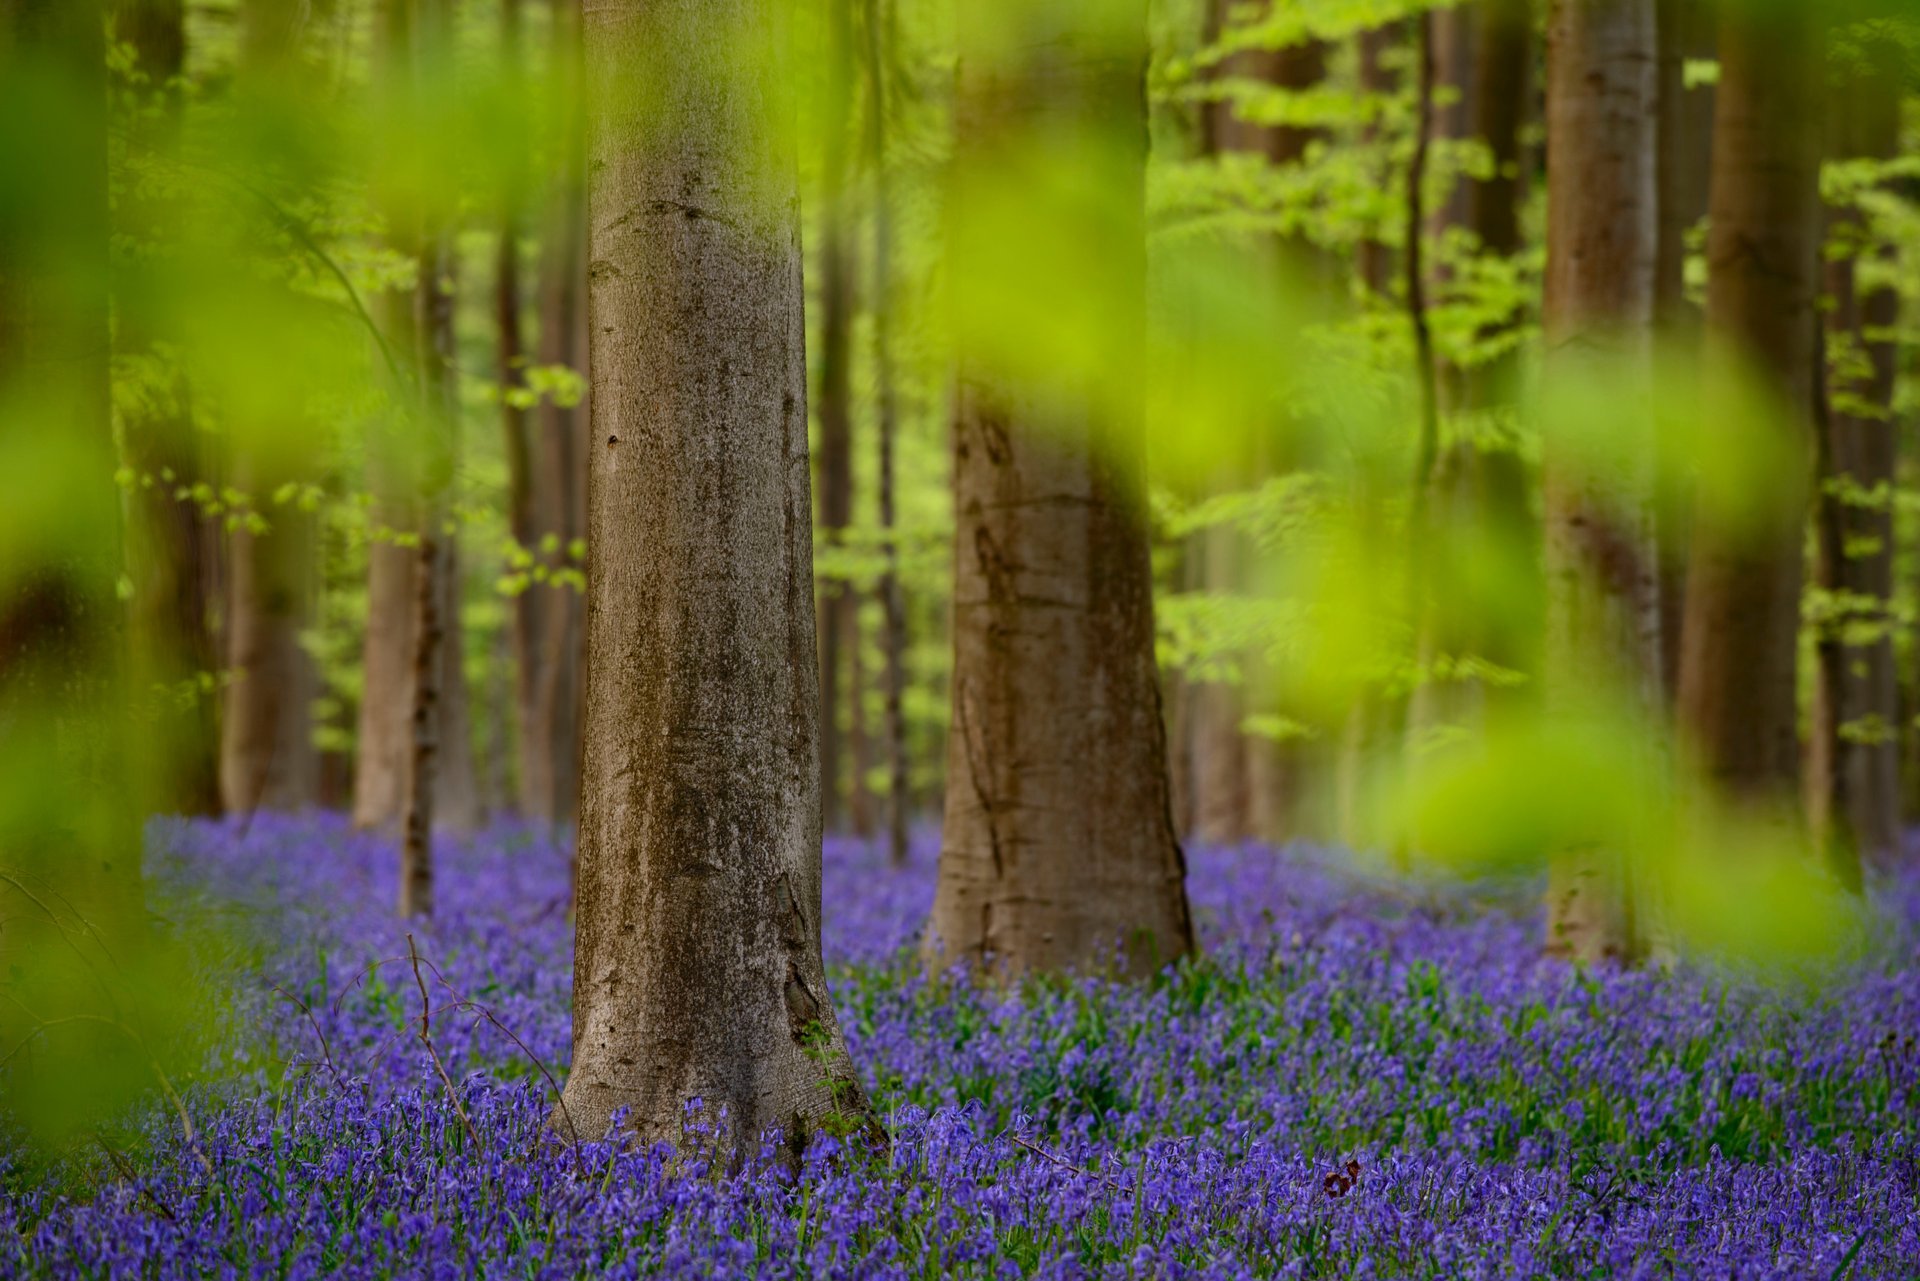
(1246, 787)
(1854, 750)
(697, 970)
(439, 780)
(404, 480)
(838, 299)
(1058, 848)
(1481, 488)
(1603, 602)
(1737, 703)
(173, 644)
(386, 656)
(524, 523)
(267, 757)
(560, 458)
(893, 637)
(1685, 128)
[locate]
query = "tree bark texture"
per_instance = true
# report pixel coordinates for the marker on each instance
(697, 970)
(1058, 847)
(1737, 704)
(1603, 601)
(1854, 748)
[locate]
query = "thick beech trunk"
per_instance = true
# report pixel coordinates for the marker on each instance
(1058, 849)
(1603, 601)
(697, 971)
(1737, 705)
(1854, 749)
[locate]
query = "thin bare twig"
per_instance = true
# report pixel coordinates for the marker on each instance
(426, 1039)
(326, 1050)
(126, 1172)
(1065, 1164)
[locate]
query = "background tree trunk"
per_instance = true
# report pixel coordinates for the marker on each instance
(173, 644)
(524, 522)
(1603, 600)
(1854, 750)
(560, 457)
(408, 462)
(697, 970)
(1058, 846)
(893, 636)
(839, 298)
(1685, 127)
(1737, 703)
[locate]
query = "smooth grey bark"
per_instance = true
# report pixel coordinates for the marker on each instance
(697, 970)
(1603, 597)
(1058, 850)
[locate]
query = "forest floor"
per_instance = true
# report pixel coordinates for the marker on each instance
(1359, 1079)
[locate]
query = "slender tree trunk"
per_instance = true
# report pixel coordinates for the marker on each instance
(173, 644)
(387, 648)
(524, 522)
(267, 758)
(838, 299)
(1603, 601)
(1481, 488)
(1685, 128)
(1247, 786)
(1058, 846)
(560, 459)
(1854, 750)
(1737, 704)
(697, 970)
(893, 636)
(438, 734)
(412, 462)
